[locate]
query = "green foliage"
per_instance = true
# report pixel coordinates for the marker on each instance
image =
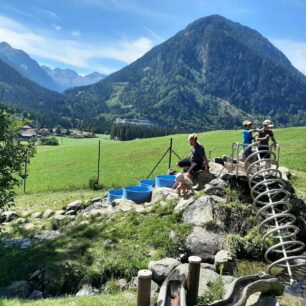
(215, 292)
(94, 184)
(104, 249)
(250, 246)
(129, 131)
(48, 141)
(14, 154)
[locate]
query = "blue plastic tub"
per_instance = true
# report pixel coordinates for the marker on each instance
(114, 194)
(165, 181)
(138, 194)
(147, 183)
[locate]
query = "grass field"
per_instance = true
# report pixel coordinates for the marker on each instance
(70, 165)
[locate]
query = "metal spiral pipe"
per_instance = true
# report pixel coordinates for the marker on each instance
(273, 209)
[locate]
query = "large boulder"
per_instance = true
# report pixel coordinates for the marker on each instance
(204, 244)
(163, 193)
(87, 290)
(201, 178)
(216, 187)
(199, 212)
(161, 268)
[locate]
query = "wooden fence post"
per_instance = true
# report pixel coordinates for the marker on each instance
(193, 280)
(144, 288)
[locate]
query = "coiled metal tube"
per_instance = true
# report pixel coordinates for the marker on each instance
(273, 206)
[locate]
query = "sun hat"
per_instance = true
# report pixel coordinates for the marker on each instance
(247, 122)
(268, 123)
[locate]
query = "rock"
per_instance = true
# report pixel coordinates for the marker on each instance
(216, 187)
(37, 215)
(125, 207)
(59, 217)
(86, 290)
(217, 169)
(47, 235)
(71, 212)
(199, 212)
(97, 199)
(163, 193)
(224, 262)
(20, 220)
(140, 209)
(35, 295)
(133, 284)
(204, 244)
(122, 284)
(182, 204)
(27, 226)
(8, 216)
(286, 175)
(124, 202)
(84, 222)
(35, 275)
(75, 205)
(16, 289)
(172, 235)
(201, 178)
(48, 213)
(26, 243)
(161, 268)
(60, 212)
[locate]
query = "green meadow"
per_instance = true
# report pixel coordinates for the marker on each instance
(70, 165)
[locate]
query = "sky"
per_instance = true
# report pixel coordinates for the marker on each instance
(106, 35)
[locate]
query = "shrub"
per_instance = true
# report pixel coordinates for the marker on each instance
(93, 184)
(48, 141)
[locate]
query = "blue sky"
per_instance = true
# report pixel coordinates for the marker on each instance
(106, 35)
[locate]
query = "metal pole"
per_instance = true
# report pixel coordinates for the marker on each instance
(99, 157)
(158, 163)
(193, 280)
(170, 155)
(144, 288)
(25, 176)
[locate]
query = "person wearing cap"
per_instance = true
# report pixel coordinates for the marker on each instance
(197, 158)
(263, 136)
(247, 137)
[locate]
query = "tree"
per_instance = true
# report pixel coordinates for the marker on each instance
(13, 155)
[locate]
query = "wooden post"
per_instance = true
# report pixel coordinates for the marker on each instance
(144, 288)
(193, 280)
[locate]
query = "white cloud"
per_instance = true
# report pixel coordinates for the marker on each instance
(50, 14)
(70, 52)
(56, 27)
(294, 50)
(75, 33)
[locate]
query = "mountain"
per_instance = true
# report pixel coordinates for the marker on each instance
(67, 78)
(26, 66)
(45, 106)
(211, 75)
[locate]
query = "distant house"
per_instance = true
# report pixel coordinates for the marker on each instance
(44, 132)
(27, 133)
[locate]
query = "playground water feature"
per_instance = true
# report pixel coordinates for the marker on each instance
(143, 192)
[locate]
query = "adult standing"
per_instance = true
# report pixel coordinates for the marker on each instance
(263, 136)
(247, 137)
(197, 159)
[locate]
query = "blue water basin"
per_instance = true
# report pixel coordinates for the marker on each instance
(114, 194)
(138, 194)
(147, 183)
(165, 181)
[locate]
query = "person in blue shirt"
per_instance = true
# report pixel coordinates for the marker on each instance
(247, 137)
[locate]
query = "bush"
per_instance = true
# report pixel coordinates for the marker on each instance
(48, 141)
(93, 184)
